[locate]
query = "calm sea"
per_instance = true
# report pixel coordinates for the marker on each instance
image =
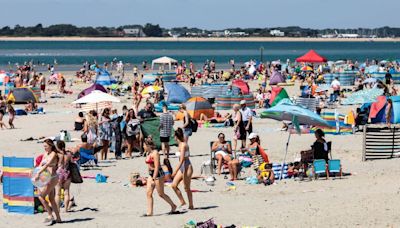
(74, 53)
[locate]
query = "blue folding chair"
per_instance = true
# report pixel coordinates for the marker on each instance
(334, 167)
(319, 167)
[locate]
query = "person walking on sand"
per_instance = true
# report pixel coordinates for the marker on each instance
(3, 108)
(155, 179)
(11, 114)
(388, 112)
(184, 170)
(166, 125)
(50, 164)
(105, 132)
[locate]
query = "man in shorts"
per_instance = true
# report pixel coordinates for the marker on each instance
(166, 125)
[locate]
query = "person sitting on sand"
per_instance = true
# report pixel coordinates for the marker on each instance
(155, 179)
(319, 150)
(266, 174)
(256, 151)
(79, 122)
(217, 118)
(31, 106)
(223, 153)
(83, 145)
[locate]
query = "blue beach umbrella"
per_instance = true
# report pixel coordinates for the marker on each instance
(295, 113)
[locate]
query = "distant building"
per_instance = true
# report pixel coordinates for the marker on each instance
(137, 32)
(276, 32)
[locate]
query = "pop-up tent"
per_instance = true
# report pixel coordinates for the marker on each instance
(377, 112)
(276, 78)
(277, 94)
(164, 61)
(197, 106)
(91, 88)
(104, 78)
(176, 93)
(22, 95)
(311, 57)
(242, 85)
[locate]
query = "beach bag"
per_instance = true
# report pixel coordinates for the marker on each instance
(133, 128)
(194, 125)
(76, 177)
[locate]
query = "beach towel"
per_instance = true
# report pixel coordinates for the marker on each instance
(150, 127)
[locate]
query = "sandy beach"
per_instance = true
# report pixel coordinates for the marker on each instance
(207, 39)
(370, 197)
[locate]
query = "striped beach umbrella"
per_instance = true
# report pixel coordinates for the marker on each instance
(197, 105)
(151, 89)
(307, 68)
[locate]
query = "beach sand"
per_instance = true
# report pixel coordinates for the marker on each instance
(368, 198)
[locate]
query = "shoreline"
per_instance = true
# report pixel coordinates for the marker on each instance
(192, 39)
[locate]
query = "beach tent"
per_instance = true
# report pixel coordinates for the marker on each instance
(276, 78)
(198, 105)
(150, 127)
(18, 195)
(377, 112)
(22, 95)
(104, 78)
(164, 61)
(277, 94)
(176, 93)
(311, 57)
(92, 88)
(242, 85)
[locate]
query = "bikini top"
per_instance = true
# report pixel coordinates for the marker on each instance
(149, 160)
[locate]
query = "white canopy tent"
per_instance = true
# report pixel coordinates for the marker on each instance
(164, 61)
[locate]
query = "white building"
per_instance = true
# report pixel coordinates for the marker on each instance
(138, 32)
(276, 32)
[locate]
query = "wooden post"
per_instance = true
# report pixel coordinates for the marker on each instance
(364, 142)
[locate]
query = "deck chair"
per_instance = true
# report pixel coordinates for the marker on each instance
(319, 167)
(214, 161)
(86, 157)
(334, 167)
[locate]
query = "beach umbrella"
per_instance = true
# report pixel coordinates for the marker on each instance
(297, 115)
(96, 96)
(151, 89)
(307, 68)
(196, 106)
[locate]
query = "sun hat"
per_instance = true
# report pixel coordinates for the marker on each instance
(253, 135)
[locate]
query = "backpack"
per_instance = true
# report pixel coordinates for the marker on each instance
(194, 125)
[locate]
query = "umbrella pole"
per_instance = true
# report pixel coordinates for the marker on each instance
(284, 158)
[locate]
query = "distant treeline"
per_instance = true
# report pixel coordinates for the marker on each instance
(151, 30)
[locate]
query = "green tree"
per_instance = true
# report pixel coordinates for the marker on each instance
(152, 30)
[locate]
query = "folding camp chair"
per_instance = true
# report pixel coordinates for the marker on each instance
(214, 161)
(319, 167)
(86, 157)
(334, 167)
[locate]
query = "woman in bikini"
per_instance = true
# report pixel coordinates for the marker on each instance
(223, 153)
(64, 177)
(184, 170)
(156, 178)
(3, 108)
(49, 163)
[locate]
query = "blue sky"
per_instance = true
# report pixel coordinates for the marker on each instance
(208, 14)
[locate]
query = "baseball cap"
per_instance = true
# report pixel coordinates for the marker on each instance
(242, 102)
(253, 135)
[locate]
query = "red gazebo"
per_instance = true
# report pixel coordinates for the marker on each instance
(311, 57)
